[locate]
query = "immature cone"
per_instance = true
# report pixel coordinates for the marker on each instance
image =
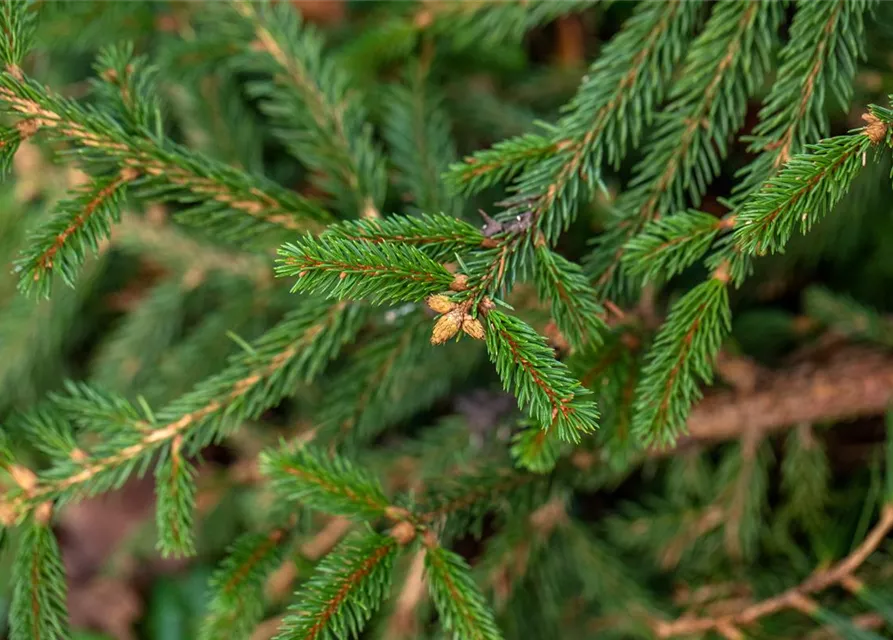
(876, 130)
(440, 303)
(459, 283)
(446, 327)
(473, 327)
(403, 532)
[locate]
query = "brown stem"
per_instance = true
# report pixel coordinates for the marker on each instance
(852, 383)
(794, 598)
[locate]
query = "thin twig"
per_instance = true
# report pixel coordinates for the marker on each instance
(795, 597)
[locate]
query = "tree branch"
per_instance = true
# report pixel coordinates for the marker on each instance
(794, 597)
(855, 382)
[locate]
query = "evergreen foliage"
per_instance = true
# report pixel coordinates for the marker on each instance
(257, 237)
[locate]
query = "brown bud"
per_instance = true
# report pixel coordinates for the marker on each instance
(403, 532)
(440, 304)
(876, 129)
(445, 328)
(473, 327)
(459, 283)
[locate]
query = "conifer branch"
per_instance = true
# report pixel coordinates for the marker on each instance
(780, 132)
(439, 236)
(390, 379)
(574, 306)
(81, 224)
(500, 163)
(175, 248)
(295, 349)
(420, 140)
(680, 356)
(546, 196)
(175, 490)
(127, 84)
(331, 484)
(459, 602)
(343, 269)
(38, 610)
(237, 587)
(790, 599)
(489, 21)
(345, 590)
(847, 316)
(543, 386)
(18, 25)
(724, 66)
(460, 505)
(667, 246)
(826, 42)
(801, 194)
(319, 119)
(166, 171)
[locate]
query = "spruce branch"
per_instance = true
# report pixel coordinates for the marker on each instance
(389, 380)
(177, 249)
(419, 137)
(724, 66)
(380, 272)
(460, 504)
(328, 483)
(827, 40)
(317, 114)
(680, 356)
(128, 85)
(460, 604)
(543, 386)
(38, 608)
(500, 163)
(80, 225)
(437, 235)
(237, 587)
(133, 348)
(801, 194)
(17, 24)
(667, 246)
(344, 591)
(620, 88)
(175, 491)
(294, 350)
(167, 172)
(573, 302)
(487, 21)
(793, 597)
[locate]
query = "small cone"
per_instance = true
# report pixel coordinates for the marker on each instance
(459, 283)
(473, 327)
(445, 328)
(440, 303)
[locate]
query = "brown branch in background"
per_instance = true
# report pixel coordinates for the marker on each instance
(794, 598)
(403, 622)
(854, 382)
(279, 585)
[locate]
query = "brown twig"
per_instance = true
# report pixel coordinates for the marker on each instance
(794, 598)
(854, 382)
(403, 622)
(280, 582)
